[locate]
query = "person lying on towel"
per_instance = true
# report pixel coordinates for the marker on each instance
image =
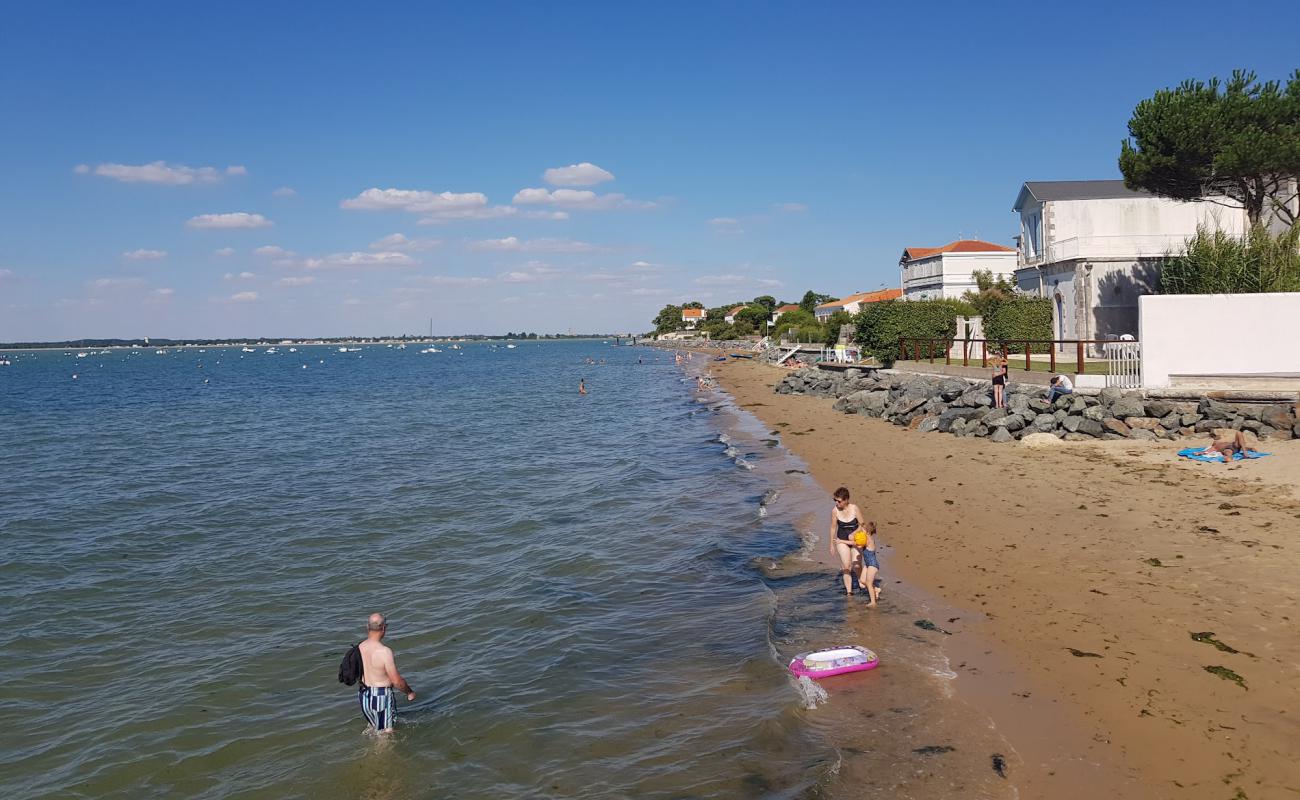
(1226, 448)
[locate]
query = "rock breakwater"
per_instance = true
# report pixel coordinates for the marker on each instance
(965, 408)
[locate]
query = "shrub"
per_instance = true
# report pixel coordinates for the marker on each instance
(1217, 263)
(1019, 317)
(838, 319)
(881, 326)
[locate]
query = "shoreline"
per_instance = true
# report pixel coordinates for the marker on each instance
(1093, 676)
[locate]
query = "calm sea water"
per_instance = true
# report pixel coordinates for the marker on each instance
(583, 590)
(193, 538)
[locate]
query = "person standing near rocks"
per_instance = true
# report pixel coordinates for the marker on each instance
(999, 382)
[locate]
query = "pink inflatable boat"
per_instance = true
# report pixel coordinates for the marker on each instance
(836, 661)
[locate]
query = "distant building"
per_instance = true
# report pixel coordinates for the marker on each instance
(935, 273)
(854, 302)
(693, 317)
(1094, 247)
(782, 310)
(731, 315)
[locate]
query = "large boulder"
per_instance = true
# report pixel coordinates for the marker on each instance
(1159, 408)
(1043, 422)
(1039, 405)
(928, 424)
(1189, 418)
(873, 405)
(1171, 421)
(1115, 426)
(1071, 424)
(1143, 423)
(1130, 405)
(947, 418)
(1091, 427)
(1138, 433)
(1110, 394)
(1281, 417)
(1213, 409)
(1095, 413)
(1035, 441)
(952, 388)
(1077, 404)
(1000, 435)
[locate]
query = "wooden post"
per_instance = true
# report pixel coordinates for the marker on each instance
(916, 349)
(947, 353)
(1052, 350)
(1078, 356)
(1028, 366)
(984, 353)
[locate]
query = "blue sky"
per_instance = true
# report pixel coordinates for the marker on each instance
(732, 150)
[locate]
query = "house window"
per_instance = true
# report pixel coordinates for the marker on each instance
(1033, 234)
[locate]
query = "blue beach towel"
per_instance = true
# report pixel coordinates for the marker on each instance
(1195, 454)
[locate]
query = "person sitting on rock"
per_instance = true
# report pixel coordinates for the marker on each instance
(1060, 387)
(1227, 447)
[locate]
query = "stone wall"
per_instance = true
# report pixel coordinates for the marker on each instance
(965, 408)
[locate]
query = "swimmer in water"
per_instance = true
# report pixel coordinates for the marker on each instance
(582, 386)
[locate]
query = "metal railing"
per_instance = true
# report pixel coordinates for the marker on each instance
(922, 349)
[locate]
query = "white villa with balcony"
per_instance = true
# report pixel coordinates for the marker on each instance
(1094, 247)
(936, 273)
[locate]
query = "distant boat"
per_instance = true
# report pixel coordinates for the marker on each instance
(430, 350)
(82, 355)
(293, 349)
(271, 351)
(160, 352)
(249, 350)
(510, 347)
(455, 347)
(343, 349)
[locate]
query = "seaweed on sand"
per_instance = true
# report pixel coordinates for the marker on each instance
(1000, 764)
(927, 625)
(1082, 653)
(1208, 638)
(934, 749)
(1227, 675)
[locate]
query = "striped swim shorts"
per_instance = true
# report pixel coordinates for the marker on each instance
(377, 706)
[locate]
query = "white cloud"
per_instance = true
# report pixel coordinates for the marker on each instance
(399, 242)
(243, 276)
(303, 280)
(6, 274)
(145, 255)
(452, 280)
(237, 219)
(519, 277)
(224, 252)
(352, 301)
(516, 245)
(600, 276)
(645, 291)
(274, 250)
(360, 259)
(160, 295)
(414, 200)
(578, 199)
(770, 282)
(721, 280)
(116, 283)
(584, 174)
(243, 297)
(790, 208)
(723, 222)
(284, 191)
(159, 172)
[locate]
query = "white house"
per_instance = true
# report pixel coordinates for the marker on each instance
(931, 273)
(934, 273)
(788, 307)
(693, 317)
(1094, 247)
(854, 302)
(731, 315)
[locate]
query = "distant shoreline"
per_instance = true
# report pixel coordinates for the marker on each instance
(193, 344)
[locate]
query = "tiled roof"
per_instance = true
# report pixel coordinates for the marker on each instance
(865, 297)
(693, 312)
(959, 246)
(788, 307)
(736, 310)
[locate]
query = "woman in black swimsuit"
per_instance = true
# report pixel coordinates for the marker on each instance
(999, 382)
(846, 519)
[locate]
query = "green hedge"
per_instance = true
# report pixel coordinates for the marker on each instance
(882, 325)
(1018, 318)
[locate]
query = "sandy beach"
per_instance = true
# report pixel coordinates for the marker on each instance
(1127, 619)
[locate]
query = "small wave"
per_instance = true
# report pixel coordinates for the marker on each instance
(742, 463)
(724, 438)
(731, 452)
(812, 694)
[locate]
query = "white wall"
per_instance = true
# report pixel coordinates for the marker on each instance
(1134, 225)
(1218, 334)
(950, 275)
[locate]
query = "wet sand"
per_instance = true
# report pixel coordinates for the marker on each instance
(1076, 576)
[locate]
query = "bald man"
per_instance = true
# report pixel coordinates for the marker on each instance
(380, 676)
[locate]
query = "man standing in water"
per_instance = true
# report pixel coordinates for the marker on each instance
(380, 676)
